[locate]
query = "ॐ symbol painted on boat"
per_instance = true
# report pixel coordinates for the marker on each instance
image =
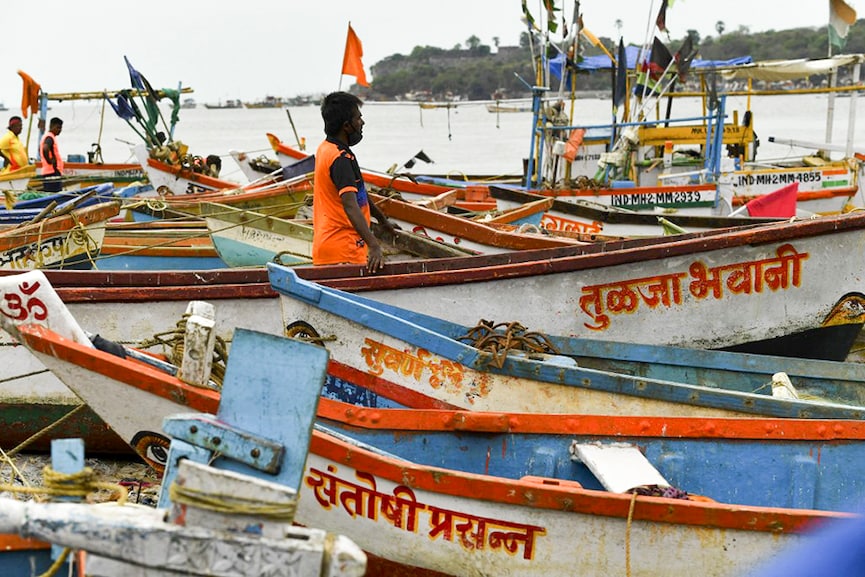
(18, 312)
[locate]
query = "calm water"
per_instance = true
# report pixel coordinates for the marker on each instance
(465, 139)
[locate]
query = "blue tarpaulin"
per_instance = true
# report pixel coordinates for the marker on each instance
(632, 53)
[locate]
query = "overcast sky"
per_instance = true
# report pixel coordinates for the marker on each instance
(248, 50)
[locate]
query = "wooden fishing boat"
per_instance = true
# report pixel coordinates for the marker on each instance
(18, 179)
(661, 152)
(22, 208)
(86, 173)
(242, 541)
(184, 182)
(285, 195)
(227, 104)
(246, 238)
(498, 107)
(584, 216)
(66, 238)
(456, 493)
(771, 271)
(471, 235)
(268, 102)
(440, 360)
(158, 245)
(474, 197)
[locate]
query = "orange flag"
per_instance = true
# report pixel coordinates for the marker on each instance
(29, 95)
(351, 61)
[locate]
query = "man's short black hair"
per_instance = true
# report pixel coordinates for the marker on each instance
(337, 108)
(55, 122)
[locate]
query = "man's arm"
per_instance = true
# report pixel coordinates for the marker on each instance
(48, 152)
(375, 257)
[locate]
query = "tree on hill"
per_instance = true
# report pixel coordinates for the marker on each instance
(476, 73)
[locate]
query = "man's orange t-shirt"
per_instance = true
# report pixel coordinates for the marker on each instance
(334, 239)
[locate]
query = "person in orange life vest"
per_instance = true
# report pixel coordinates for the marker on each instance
(52, 163)
(341, 208)
(11, 148)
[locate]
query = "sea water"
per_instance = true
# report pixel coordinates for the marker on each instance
(464, 138)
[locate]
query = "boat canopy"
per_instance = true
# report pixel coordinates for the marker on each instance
(772, 70)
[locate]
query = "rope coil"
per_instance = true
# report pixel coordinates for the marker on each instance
(173, 341)
(488, 337)
(80, 484)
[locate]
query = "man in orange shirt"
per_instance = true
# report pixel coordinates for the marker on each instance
(52, 162)
(341, 208)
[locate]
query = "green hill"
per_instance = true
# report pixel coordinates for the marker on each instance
(476, 72)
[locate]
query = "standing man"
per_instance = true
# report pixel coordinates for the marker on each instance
(340, 207)
(11, 148)
(52, 163)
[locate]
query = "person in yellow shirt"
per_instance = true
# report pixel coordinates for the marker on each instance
(13, 152)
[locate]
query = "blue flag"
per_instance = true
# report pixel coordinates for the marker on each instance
(122, 107)
(134, 76)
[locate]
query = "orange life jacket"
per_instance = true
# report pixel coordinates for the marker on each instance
(46, 166)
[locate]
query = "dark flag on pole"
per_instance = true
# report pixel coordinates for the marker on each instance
(659, 60)
(661, 21)
(621, 86)
(422, 156)
(684, 56)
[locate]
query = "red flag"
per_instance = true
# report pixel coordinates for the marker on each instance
(661, 21)
(351, 61)
(780, 203)
(29, 95)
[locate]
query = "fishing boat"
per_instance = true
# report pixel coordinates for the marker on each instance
(589, 218)
(456, 493)
(227, 104)
(611, 164)
(245, 522)
(171, 201)
(472, 235)
(473, 367)
(472, 196)
(158, 245)
(712, 276)
(246, 238)
(500, 107)
(58, 237)
(268, 102)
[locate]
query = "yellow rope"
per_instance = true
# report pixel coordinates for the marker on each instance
(16, 472)
(46, 430)
(231, 504)
(80, 235)
(78, 484)
(58, 563)
(628, 535)
(173, 341)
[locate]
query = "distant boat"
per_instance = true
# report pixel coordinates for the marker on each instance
(188, 103)
(508, 108)
(226, 104)
(3, 107)
(268, 102)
